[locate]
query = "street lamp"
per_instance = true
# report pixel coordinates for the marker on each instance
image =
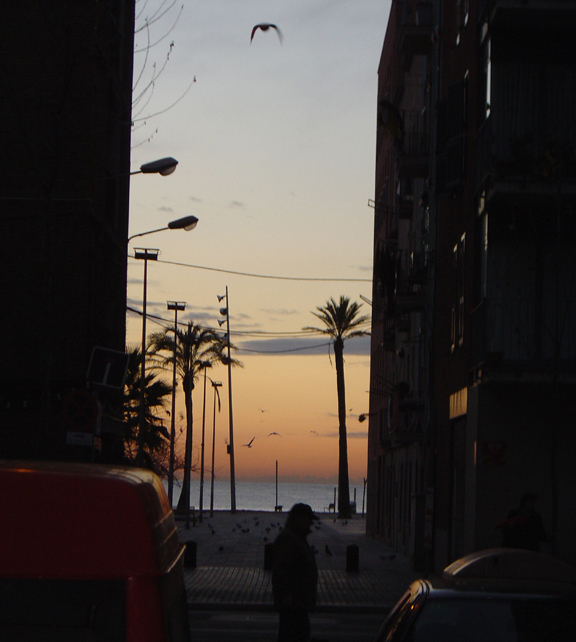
(147, 254)
(228, 361)
(215, 385)
(176, 306)
(162, 166)
(186, 223)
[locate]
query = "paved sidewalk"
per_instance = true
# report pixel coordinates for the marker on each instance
(230, 571)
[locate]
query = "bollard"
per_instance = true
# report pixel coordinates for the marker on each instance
(268, 556)
(190, 555)
(352, 557)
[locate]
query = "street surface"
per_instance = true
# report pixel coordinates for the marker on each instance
(248, 626)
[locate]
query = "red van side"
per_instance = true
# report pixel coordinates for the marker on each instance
(88, 552)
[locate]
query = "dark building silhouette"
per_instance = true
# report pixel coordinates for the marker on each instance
(65, 120)
(474, 300)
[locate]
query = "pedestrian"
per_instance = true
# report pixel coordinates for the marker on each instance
(523, 527)
(294, 575)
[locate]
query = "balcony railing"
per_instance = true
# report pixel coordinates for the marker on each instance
(518, 331)
(414, 146)
(527, 13)
(537, 164)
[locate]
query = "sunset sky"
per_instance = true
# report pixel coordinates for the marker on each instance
(276, 150)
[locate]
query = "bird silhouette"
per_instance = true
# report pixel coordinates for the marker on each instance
(249, 444)
(264, 26)
(274, 433)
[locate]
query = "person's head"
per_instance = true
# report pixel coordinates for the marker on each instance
(301, 517)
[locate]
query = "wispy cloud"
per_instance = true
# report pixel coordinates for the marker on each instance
(279, 311)
(301, 345)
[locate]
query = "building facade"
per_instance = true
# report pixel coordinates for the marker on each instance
(65, 102)
(497, 287)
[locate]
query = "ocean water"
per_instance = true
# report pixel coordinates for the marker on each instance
(254, 495)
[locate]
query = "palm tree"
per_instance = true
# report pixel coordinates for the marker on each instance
(341, 322)
(196, 349)
(156, 437)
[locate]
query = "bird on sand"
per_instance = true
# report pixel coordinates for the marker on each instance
(264, 26)
(249, 444)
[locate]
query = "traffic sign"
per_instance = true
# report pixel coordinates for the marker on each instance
(107, 368)
(80, 410)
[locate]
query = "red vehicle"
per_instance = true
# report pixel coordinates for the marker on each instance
(88, 552)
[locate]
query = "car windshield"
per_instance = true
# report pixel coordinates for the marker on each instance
(495, 620)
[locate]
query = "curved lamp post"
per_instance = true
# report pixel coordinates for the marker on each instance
(215, 385)
(205, 365)
(186, 223)
(176, 306)
(162, 166)
(228, 361)
(146, 254)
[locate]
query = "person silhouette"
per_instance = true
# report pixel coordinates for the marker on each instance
(523, 527)
(294, 575)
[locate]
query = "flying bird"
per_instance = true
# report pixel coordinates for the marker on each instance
(249, 444)
(274, 433)
(264, 26)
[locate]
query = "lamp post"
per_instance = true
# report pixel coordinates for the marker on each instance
(186, 223)
(228, 361)
(162, 166)
(176, 306)
(215, 385)
(148, 254)
(145, 254)
(205, 366)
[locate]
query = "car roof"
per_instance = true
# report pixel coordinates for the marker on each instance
(507, 571)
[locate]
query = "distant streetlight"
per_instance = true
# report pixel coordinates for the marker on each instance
(228, 361)
(147, 254)
(162, 166)
(176, 306)
(215, 385)
(204, 365)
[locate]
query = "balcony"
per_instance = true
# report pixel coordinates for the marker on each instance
(410, 277)
(522, 170)
(528, 14)
(414, 146)
(414, 36)
(517, 334)
(409, 429)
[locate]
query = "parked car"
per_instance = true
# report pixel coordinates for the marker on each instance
(503, 595)
(88, 553)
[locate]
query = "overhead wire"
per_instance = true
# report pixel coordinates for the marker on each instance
(168, 324)
(264, 276)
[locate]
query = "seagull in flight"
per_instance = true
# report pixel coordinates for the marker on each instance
(264, 26)
(249, 444)
(274, 433)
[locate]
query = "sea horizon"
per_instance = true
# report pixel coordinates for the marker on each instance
(265, 496)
